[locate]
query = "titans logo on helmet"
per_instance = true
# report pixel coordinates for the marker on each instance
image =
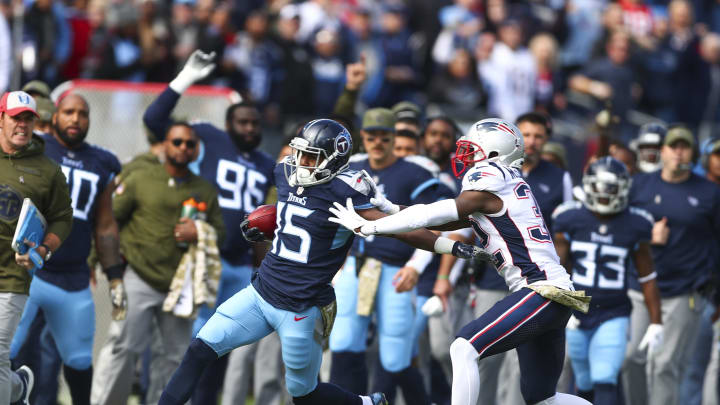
(343, 143)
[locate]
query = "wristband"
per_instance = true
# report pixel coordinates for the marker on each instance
(444, 245)
(443, 277)
(649, 277)
(115, 271)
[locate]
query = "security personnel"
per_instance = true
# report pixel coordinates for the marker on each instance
(147, 205)
(25, 172)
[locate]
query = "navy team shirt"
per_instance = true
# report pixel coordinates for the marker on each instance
(242, 178)
(600, 252)
(403, 183)
(550, 185)
(308, 249)
(89, 170)
(692, 208)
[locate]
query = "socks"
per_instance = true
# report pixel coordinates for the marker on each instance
(605, 394)
(466, 377)
(349, 371)
(411, 383)
(326, 393)
(211, 382)
(79, 382)
(384, 381)
(182, 384)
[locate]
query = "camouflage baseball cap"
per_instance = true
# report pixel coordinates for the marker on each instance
(37, 87)
(679, 133)
(45, 109)
(406, 110)
(378, 119)
(715, 146)
(557, 149)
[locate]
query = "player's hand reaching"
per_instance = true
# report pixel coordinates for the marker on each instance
(378, 199)
(347, 217)
(118, 299)
(472, 252)
(198, 67)
(251, 234)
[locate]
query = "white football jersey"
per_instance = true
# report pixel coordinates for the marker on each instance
(517, 235)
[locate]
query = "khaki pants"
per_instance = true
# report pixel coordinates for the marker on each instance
(657, 382)
(129, 338)
(11, 309)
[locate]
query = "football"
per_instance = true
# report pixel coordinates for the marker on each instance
(263, 218)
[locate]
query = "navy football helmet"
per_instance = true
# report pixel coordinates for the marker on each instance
(606, 184)
(647, 146)
(319, 153)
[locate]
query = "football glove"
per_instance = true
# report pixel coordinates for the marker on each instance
(573, 323)
(198, 67)
(118, 299)
(251, 234)
(653, 339)
(472, 252)
(347, 217)
(378, 199)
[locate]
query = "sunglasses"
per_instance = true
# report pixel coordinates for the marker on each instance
(383, 139)
(189, 143)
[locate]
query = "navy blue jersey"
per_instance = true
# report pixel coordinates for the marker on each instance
(308, 249)
(684, 264)
(600, 252)
(88, 170)
(550, 185)
(403, 183)
(242, 178)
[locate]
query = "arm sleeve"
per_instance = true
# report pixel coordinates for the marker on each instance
(157, 115)
(216, 220)
(415, 217)
(60, 213)
(567, 187)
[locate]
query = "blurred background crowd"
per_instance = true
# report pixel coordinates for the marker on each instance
(641, 59)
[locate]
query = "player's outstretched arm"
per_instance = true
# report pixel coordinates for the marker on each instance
(157, 116)
(647, 278)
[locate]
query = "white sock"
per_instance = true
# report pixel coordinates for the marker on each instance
(366, 400)
(564, 399)
(466, 377)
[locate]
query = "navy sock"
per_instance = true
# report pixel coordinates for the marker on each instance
(411, 383)
(326, 393)
(384, 381)
(439, 387)
(210, 382)
(79, 382)
(605, 394)
(182, 384)
(349, 371)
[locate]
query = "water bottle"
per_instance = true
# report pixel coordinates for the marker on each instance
(189, 210)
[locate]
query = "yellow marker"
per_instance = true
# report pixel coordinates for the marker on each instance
(692, 302)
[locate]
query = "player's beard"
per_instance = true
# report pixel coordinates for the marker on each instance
(70, 141)
(245, 142)
(175, 163)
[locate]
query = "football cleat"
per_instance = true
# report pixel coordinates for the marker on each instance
(378, 398)
(28, 379)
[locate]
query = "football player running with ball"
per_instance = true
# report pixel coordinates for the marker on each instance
(595, 240)
(291, 292)
(498, 204)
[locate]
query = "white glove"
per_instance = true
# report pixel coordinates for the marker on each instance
(198, 67)
(433, 307)
(653, 338)
(347, 217)
(378, 199)
(573, 323)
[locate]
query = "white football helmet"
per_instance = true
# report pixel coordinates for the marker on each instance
(492, 140)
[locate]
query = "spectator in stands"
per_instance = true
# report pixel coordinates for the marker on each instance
(155, 42)
(461, 24)
(508, 72)
(400, 70)
(328, 70)
(6, 48)
(252, 61)
(143, 215)
(584, 29)
(549, 95)
(638, 21)
(297, 70)
(611, 79)
(685, 252)
(46, 26)
(457, 89)
(710, 70)
(81, 30)
(184, 30)
(120, 55)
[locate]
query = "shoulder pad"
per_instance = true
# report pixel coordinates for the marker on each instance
(642, 213)
(424, 162)
(358, 157)
(566, 206)
(485, 177)
(356, 181)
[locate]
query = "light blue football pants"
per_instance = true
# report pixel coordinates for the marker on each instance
(246, 318)
(70, 315)
(232, 280)
(395, 318)
(597, 354)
